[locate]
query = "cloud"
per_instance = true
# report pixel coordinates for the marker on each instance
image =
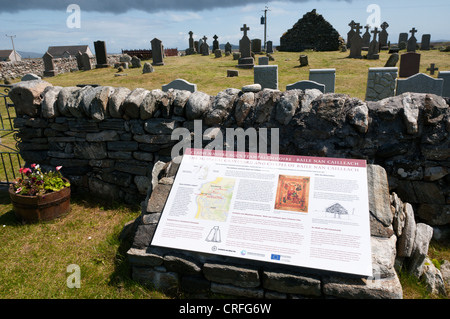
(120, 6)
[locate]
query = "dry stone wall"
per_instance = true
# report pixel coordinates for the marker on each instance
(14, 70)
(117, 143)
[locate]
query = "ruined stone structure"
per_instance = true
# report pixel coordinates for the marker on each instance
(310, 32)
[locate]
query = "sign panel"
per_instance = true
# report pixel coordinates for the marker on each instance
(295, 210)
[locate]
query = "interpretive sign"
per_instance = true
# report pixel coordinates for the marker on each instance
(302, 211)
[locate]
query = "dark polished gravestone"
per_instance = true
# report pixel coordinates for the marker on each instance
(409, 64)
(101, 54)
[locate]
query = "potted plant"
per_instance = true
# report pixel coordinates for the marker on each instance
(40, 196)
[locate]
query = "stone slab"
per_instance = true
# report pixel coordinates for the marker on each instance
(266, 76)
(180, 84)
(324, 76)
(306, 85)
(445, 75)
(420, 83)
(381, 83)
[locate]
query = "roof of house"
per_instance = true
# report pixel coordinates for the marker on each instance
(59, 51)
(7, 53)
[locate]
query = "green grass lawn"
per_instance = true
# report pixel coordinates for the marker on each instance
(34, 258)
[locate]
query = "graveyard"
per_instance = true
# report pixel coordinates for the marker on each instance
(109, 125)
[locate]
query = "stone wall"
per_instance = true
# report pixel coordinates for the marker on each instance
(14, 70)
(116, 144)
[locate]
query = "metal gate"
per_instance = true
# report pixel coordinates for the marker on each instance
(9, 152)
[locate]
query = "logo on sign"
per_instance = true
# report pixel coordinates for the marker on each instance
(275, 257)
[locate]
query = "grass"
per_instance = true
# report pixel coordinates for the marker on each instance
(34, 258)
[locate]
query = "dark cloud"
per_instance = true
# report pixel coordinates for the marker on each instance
(120, 6)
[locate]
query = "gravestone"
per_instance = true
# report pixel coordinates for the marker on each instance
(191, 49)
(306, 85)
(381, 83)
(402, 41)
(356, 48)
(157, 52)
(204, 48)
(86, 62)
(100, 54)
(269, 48)
(432, 68)
(228, 47)
(366, 38)
(324, 76)
(180, 84)
(420, 83)
(256, 46)
(392, 61)
(383, 40)
(136, 62)
(218, 53)
(215, 43)
(425, 44)
(245, 48)
(412, 42)
(445, 75)
(303, 60)
(350, 34)
(374, 47)
(266, 76)
(79, 58)
(409, 64)
(49, 65)
(232, 73)
(199, 45)
(264, 60)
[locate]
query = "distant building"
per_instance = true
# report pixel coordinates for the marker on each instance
(69, 51)
(10, 55)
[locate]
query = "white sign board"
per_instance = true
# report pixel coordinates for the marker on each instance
(302, 211)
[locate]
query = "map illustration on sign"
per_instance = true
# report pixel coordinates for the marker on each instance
(292, 193)
(214, 199)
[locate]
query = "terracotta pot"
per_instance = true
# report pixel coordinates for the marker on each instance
(41, 208)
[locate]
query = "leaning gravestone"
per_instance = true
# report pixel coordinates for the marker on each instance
(101, 55)
(157, 52)
(425, 44)
(266, 76)
(246, 60)
(180, 84)
(306, 85)
(381, 83)
(392, 61)
(324, 76)
(79, 58)
(412, 42)
(420, 83)
(49, 65)
(136, 62)
(409, 64)
(445, 75)
(86, 62)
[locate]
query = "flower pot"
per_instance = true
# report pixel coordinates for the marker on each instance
(41, 208)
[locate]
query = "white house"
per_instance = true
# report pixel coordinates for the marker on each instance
(10, 55)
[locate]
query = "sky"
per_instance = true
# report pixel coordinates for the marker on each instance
(38, 24)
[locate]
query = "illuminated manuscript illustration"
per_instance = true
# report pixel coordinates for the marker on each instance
(214, 199)
(292, 193)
